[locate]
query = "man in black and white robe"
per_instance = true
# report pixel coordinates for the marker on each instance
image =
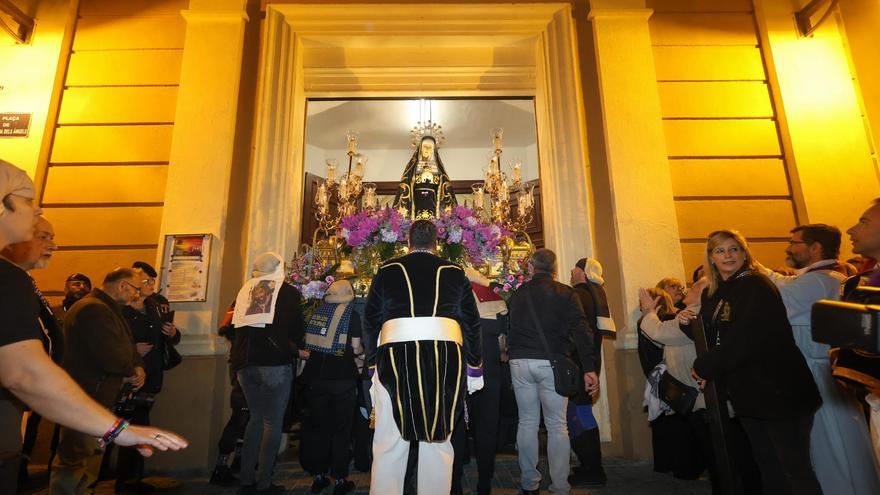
(422, 335)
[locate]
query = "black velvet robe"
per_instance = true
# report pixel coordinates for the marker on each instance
(425, 378)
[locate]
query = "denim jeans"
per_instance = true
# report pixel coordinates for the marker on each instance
(534, 389)
(267, 389)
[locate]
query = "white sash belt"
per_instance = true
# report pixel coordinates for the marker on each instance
(420, 328)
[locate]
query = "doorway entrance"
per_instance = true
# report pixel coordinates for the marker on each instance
(425, 51)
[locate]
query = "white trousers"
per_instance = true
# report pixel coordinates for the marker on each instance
(391, 451)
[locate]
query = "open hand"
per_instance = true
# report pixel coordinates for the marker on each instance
(145, 438)
(694, 293)
(646, 302)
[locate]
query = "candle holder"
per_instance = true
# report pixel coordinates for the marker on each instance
(346, 190)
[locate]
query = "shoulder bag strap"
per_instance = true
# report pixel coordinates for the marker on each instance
(537, 323)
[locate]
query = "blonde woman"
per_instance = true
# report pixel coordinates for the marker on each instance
(752, 354)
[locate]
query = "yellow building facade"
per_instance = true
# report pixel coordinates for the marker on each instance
(658, 121)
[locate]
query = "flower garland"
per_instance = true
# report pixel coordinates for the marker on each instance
(464, 237)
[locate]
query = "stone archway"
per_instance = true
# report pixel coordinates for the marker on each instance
(313, 50)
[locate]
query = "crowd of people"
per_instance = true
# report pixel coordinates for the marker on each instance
(794, 427)
(69, 364)
(418, 378)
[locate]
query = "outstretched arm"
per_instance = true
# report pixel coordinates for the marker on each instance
(27, 372)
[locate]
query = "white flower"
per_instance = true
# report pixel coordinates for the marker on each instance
(455, 234)
(388, 235)
(345, 233)
(471, 221)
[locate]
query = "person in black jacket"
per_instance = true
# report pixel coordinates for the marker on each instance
(587, 281)
(146, 318)
(422, 339)
(263, 353)
(561, 318)
(753, 355)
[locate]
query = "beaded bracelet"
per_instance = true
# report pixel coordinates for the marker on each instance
(114, 431)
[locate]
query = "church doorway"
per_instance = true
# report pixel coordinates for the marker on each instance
(313, 52)
(387, 133)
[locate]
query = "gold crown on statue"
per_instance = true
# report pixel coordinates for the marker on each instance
(424, 129)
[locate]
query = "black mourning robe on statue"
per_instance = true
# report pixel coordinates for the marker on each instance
(424, 378)
(424, 196)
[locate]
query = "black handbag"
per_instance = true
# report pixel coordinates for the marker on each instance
(170, 357)
(679, 396)
(567, 377)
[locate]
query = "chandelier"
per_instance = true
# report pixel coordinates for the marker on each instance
(494, 193)
(345, 192)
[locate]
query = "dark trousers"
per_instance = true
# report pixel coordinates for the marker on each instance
(130, 464)
(233, 431)
(587, 446)
(782, 451)
(30, 437)
(326, 429)
(483, 420)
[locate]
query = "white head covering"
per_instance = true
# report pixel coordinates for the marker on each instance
(268, 273)
(14, 180)
(593, 270)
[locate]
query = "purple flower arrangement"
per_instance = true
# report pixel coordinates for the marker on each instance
(509, 281)
(382, 228)
(465, 237)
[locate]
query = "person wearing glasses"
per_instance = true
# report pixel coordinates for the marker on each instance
(146, 318)
(100, 355)
(840, 439)
(675, 288)
(753, 356)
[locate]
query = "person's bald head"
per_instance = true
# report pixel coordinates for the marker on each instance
(865, 234)
(36, 252)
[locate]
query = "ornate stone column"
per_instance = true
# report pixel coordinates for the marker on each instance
(638, 204)
(197, 191)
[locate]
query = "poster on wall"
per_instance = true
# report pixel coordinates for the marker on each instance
(185, 263)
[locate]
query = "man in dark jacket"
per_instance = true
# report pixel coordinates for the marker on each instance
(147, 316)
(100, 356)
(584, 431)
(543, 305)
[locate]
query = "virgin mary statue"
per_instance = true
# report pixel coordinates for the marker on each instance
(424, 190)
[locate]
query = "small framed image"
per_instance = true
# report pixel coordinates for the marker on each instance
(185, 262)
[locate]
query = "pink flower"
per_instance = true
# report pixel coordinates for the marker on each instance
(329, 279)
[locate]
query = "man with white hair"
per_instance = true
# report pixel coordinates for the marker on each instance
(25, 369)
(30, 255)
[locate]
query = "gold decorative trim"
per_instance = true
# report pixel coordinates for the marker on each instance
(437, 286)
(457, 386)
(396, 386)
(412, 304)
(421, 389)
(436, 389)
